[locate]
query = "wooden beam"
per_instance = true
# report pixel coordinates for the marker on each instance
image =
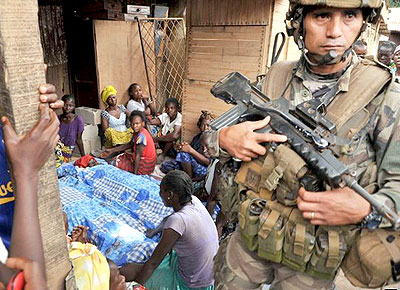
(21, 71)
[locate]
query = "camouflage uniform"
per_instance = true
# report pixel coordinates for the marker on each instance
(239, 268)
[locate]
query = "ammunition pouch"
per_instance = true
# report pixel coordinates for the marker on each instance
(271, 232)
(299, 242)
(281, 173)
(329, 251)
(280, 234)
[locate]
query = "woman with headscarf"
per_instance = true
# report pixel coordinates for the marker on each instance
(113, 119)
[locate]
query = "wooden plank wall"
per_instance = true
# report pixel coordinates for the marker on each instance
(229, 12)
(119, 57)
(223, 36)
(213, 52)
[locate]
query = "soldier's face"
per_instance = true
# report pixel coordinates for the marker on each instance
(331, 29)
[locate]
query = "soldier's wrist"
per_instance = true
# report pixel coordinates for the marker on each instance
(372, 220)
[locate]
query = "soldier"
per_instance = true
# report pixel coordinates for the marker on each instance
(289, 236)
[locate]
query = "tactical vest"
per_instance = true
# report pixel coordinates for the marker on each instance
(269, 221)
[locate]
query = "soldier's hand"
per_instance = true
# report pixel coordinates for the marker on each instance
(242, 142)
(341, 206)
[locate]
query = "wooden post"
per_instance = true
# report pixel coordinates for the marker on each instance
(21, 71)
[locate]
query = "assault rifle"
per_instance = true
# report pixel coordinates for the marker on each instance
(300, 125)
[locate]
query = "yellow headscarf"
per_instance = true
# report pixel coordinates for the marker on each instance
(90, 267)
(108, 91)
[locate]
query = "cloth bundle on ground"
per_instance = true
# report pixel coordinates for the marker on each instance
(117, 206)
(90, 267)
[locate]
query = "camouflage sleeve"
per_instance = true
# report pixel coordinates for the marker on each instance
(387, 146)
(213, 144)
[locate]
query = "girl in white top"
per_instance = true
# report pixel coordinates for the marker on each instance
(139, 102)
(170, 122)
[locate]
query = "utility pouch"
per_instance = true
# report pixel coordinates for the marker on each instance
(273, 221)
(283, 177)
(249, 174)
(374, 260)
(249, 214)
(328, 254)
(299, 242)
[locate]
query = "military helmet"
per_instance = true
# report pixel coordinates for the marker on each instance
(339, 3)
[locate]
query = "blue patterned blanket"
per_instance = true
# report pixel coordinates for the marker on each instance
(117, 206)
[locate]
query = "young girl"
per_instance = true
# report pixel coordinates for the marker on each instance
(113, 119)
(143, 158)
(71, 129)
(170, 122)
(191, 234)
(139, 102)
(190, 157)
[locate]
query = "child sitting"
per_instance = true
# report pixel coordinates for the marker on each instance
(170, 122)
(190, 157)
(139, 102)
(143, 158)
(71, 129)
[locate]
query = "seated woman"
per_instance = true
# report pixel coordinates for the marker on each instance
(71, 129)
(170, 122)
(191, 234)
(139, 102)
(143, 158)
(191, 158)
(113, 119)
